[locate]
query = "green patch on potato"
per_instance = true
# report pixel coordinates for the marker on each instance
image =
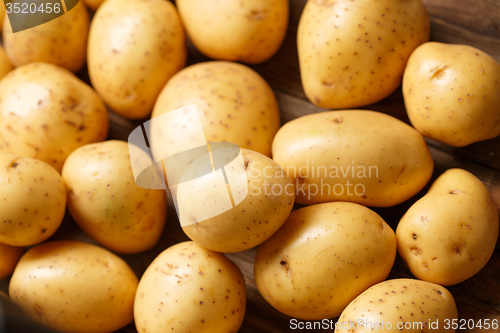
(105, 200)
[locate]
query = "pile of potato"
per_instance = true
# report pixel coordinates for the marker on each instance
(327, 259)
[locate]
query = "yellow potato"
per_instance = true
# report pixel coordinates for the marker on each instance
(450, 234)
(2, 14)
(74, 287)
(32, 200)
(400, 305)
(261, 210)
(5, 66)
(248, 31)
(93, 4)
(62, 41)
(188, 288)
(106, 202)
(452, 93)
(46, 112)
(365, 157)
(9, 256)
(322, 258)
(353, 53)
(134, 49)
(234, 103)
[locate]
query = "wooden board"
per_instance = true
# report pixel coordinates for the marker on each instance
(471, 22)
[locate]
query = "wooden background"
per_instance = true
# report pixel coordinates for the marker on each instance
(471, 22)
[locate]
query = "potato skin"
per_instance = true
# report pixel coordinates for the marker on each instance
(264, 209)
(5, 66)
(32, 200)
(249, 31)
(449, 234)
(58, 113)
(353, 53)
(2, 14)
(64, 46)
(322, 258)
(134, 49)
(452, 93)
(9, 256)
(93, 4)
(361, 156)
(188, 288)
(106, 202)
(74, 287)
(235, 104)
(401, 301)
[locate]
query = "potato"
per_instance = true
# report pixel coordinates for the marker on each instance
(5, 66)
(106, 202)
(9, 256)
(247, 31)
(234, 103)
(188, 288)
(450, 234)
(74, 287)
(46, 113)
(353, 53)
(260, 212)
(93, 4)
(452, 93)
(134, 49)
(2, 14)
(62, 41)
(365, 157)
(322, 258)
(32, 200)
(400, 305)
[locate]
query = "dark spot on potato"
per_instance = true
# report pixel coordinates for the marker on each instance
(338, 120)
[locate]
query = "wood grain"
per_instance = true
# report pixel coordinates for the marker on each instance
(471, 22)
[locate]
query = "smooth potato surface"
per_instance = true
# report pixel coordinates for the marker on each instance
(134, 49)
(32, 200)
(249, 31)
(9, 256)
(234, 103)
(452, 93)
(261, 210)
(360, 156)
(62, 41)
(353, 53)
(106, 202)
(401, 305)
(449, 234)
(74, 287)
(322, 258)
(46, 112)
(5, 65)
(188, 288)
